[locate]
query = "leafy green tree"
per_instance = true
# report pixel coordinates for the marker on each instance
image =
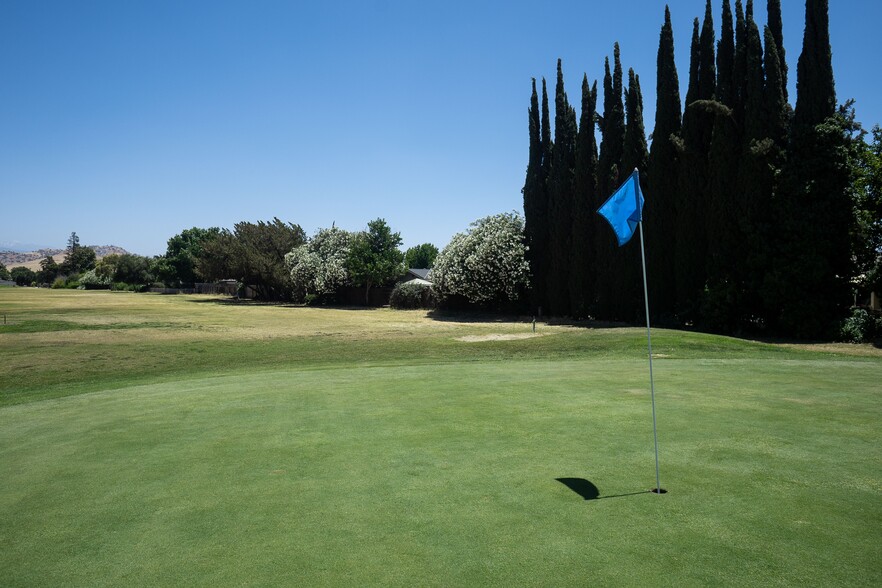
(421, 256)
(49, 270)
(77, 258)
(374, 257)
(177, 268)
(486, 264)
(128, 268)
(4, 273)
(867, 195)
(23, 276)
(253, 254)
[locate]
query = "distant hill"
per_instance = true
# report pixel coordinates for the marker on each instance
(31, 259)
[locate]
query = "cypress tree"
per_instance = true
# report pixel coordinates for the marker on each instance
(561, 200)
(720, 302)
(635, 154)
(707, 77)
(660, 213)
(603, 161)
(740, 68)
(540, 276)
(763, 160)
(754, 123)
(775, 102)
(692, 203)
(815, 93)
(608, 177)
(814, 212)
(626, 304)
(535, 206)
(726, 59)
(585, 219)
(694, 48)
(742, 187)
(776, 27)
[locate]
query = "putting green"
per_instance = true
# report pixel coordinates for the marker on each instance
(449, 475)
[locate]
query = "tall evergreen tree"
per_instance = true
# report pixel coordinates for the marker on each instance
(660, 211)
(754, 120)
(764, 157)
(777, 121)
(560, 201)
(720, 300)
(740, 69)
(694, 49)
(776, 28)
(726, 59)
(609, 172)
(535, 204)
(540, 279)
(814, 213)
(707, 76)
(626, 279)
(815, 93)
(692, 204)
(585, 220)
(741, 189)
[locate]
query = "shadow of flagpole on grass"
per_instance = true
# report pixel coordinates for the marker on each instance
(588, 491)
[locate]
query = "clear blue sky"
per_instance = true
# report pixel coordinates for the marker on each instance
(128, 121)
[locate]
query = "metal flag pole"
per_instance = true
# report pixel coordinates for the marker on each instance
(658, 488)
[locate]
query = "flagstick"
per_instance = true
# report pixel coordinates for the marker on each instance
(649, 340)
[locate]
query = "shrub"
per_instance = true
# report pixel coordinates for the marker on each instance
(861, 327)
(90, 280)
(66, 282)
(124, 287)
(486, 264)
(410, 295)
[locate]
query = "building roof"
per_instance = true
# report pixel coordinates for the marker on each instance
(422, 274)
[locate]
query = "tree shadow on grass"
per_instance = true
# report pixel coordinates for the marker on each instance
(486, 316)
(588, 491)
(232, 301)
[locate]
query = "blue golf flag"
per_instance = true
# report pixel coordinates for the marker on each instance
(624, 209)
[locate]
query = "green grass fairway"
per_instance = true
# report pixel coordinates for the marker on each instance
(180, 441)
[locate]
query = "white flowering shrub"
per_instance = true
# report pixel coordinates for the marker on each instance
(92, 280)
(485, 264)
(318, 267)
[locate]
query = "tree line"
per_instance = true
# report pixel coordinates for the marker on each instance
(759, 215)
(274, 258)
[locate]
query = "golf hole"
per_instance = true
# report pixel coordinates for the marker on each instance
(659, 491)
